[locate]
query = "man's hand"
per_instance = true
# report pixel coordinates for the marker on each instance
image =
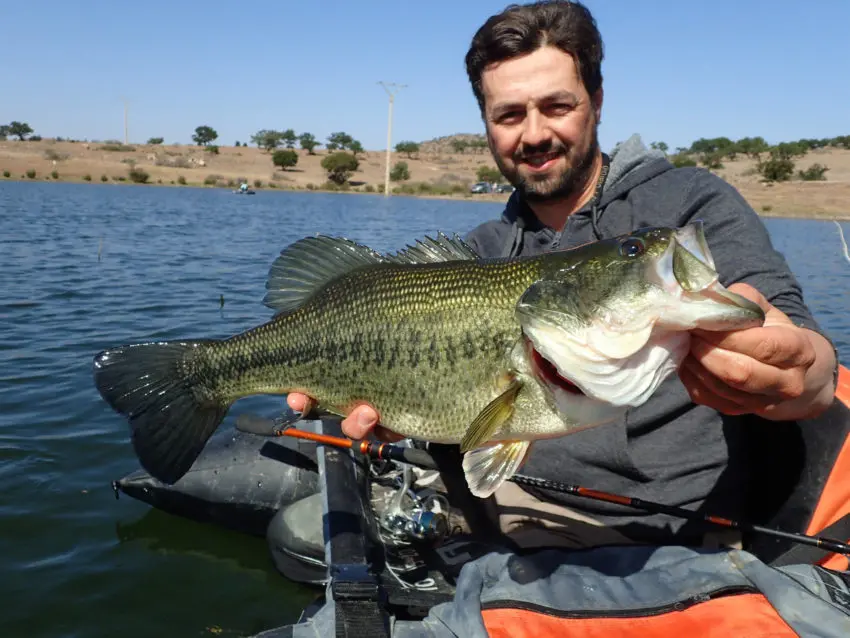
(778, 371)
(357, 425)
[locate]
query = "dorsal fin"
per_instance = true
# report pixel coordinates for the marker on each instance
(429, 251)
(305, 266)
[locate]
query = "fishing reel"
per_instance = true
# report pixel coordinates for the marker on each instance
(418, 523)
(407, 516)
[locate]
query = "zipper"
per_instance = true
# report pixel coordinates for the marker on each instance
(679, 605)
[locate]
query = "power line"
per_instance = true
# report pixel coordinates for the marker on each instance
(392, 89)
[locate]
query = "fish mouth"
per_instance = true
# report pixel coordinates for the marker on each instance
(548, 371)
(687, 272)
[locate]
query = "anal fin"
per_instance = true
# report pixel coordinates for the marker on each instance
(486, 468)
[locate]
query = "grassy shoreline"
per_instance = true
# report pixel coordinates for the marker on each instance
(434, 175)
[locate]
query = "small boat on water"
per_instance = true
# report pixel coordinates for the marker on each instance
(246, 192)
(386, 542)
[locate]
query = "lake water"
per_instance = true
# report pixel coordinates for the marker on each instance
(84, 267)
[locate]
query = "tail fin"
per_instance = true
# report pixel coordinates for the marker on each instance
(157, 386)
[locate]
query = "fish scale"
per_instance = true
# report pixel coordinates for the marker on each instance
(404, 339)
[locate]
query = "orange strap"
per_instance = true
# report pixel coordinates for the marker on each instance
(748, 615)
(834, 502)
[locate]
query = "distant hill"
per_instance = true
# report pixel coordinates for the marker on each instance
(443, 145)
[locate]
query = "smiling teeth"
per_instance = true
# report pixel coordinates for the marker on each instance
(540, 160)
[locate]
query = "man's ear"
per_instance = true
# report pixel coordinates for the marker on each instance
(596, 100)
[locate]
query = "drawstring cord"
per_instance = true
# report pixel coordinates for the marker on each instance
(597, 196)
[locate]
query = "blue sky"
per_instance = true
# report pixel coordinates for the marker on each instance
(674, 70)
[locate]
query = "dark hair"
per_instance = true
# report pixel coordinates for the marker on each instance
(522, 29)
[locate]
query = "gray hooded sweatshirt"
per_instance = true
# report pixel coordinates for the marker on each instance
(669, 449)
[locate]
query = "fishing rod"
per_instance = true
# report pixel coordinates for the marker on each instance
(421, 458)
(375, 450)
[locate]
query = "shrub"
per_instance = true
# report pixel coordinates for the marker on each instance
(104, 178)
(680, 160)
(174, 162)
(31, 174)
(6, 174)
(258, 183)
(55, 156)
(368, 188)
(213, 149)
(155, 140)
(181, 180)
(776, 168)
(117, 148)
(340, 165)
(138, 176)
(488, 174)
(86, 178)
(285, 158)
(399, 172)
(814, 173)
(212, 180)
(55, 174)
(766, 208)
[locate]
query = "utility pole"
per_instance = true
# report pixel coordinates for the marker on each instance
(391, 88)
(126, 127)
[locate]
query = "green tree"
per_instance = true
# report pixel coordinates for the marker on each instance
(400, 172)
(284, 159)
(288, 137)
(356, 147)
(788, 150)
(752, 146)
(20, 130)
(459, 146)
(340, 165)
(712, 159)
(268, 139)
(408, 148)
(155, 140)
(308, 142)
(660, 146)
(4, 132)
(204, 135)
(722, 145)
(489, 174)
(339, 141)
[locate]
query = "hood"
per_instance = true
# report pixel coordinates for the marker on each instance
(631, 164)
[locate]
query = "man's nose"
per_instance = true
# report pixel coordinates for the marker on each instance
(536, 131)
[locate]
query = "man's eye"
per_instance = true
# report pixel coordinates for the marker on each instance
(509, 117)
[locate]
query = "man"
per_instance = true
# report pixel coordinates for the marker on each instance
(536, 73)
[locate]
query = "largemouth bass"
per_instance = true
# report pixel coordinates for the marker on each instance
(448, 347)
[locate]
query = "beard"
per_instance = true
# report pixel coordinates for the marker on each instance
(560, 186)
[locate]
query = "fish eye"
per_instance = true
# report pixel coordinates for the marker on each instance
(632, 247)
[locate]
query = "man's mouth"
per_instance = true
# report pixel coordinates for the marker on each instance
(542, 161)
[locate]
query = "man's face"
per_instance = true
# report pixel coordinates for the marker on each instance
(541, 122)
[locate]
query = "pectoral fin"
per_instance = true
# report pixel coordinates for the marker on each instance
(491, 418)
(486, 468)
